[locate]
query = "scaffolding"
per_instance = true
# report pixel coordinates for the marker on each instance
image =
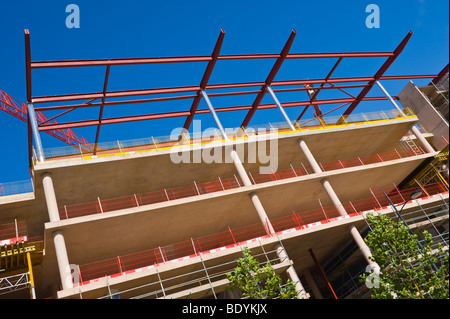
(206, 278)
(345, 268)
(17, 257)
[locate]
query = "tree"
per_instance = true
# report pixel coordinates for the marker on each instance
(408, 270)
(259, 283)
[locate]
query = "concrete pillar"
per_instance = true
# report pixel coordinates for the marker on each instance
(63, 260)
(332, 195)
(58, 238)
(50, 197)
(312, 283)
(240, 168)
(336, 202)
(422, 140)
(255, 199)
(364, 249)
(311, 160)
(292, 274)
(281, 253)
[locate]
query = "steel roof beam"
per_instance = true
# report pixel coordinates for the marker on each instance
(144, 117)
(378, 75)
(205, 79)
(276, 67)
(105, 86)
(187, 59)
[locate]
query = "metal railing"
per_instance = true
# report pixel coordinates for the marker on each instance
(101, 206)
(153, 143)
(15, 188)
(13, 232)
(232, 237)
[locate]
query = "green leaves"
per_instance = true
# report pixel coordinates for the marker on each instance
(409, 270)
(259, 283)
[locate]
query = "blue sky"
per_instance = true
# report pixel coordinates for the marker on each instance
(119, 29)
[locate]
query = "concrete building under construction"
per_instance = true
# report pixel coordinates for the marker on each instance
(167, 218)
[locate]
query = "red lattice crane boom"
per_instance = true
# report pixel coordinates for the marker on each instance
(18, 109)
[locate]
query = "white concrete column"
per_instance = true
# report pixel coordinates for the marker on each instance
(262, 213)
(332, 195)
(311, 160)
(292, 274)
(253, 196)
(365, 250)
(422, 140)
(50, 197)
(63, 260)
(240, 168)
(312, 283)
(336, 202)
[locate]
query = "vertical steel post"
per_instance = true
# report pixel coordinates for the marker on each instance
(322, 273)
(414, 129)
(390, 98)
(280, 107)
(213, 112)
(35, 130)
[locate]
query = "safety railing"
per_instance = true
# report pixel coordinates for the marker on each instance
(164, 142)
(136, 200)
(15, 188)
(13, 232)
(239, 236)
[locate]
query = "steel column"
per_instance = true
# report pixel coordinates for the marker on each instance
(204, 81)
(378, 75)
(322, 273)
(276, 67)
(213, 113)
(280, 107)
(414, 129)
(390, 98)
(35, 130)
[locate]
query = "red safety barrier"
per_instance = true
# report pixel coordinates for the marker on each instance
(78, 210)
(129, 262)
(177, 250)
(107, 205)
(248, 232)
(152, 197)
(140, 259)
(11, 232)
(98, 269)
(209, 242)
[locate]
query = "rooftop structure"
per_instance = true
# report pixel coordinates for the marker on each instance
(167, 217)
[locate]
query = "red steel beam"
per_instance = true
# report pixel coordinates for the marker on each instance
(379, 74)
(186, 113)
(174, 90)
(322, 273)
(205, 79)
(276, 67)
(105, 86)
(441, 74)
(173, 98)
(185, 59)
(28, 64)
(314, 97)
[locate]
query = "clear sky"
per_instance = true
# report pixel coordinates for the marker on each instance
(119, 29)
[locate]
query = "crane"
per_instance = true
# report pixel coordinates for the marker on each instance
(18, 109)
